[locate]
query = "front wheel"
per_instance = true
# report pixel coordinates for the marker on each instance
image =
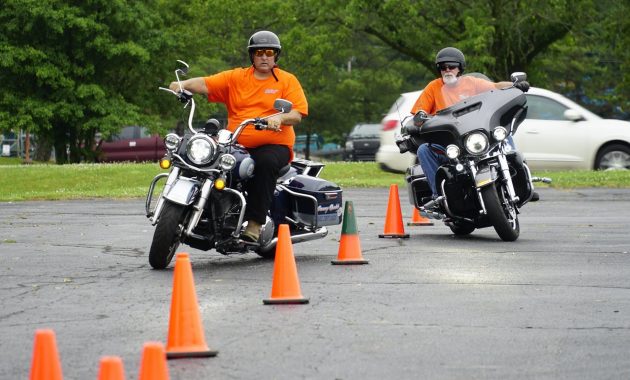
(461, 228)
(167, 235)
(501, 212)
(613, 157)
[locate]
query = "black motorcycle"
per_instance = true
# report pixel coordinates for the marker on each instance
(203, 200)
(486, 181)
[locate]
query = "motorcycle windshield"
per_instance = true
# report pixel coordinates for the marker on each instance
(464, 87)
(474, 104)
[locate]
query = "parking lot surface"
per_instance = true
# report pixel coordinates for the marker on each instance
(555, 304)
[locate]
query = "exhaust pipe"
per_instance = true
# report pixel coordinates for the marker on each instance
(317, 234)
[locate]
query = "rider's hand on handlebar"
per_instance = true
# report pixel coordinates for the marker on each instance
(273, 124)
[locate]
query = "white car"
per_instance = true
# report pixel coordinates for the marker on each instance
(558, 134)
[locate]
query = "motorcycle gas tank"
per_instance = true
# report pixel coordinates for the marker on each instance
(244, 168)
(484, 111)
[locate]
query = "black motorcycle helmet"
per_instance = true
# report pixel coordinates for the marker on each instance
(450, 54)
(264, 39)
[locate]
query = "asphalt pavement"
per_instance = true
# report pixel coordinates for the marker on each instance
(555, 304)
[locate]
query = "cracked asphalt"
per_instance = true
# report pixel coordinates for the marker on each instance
(553, 305)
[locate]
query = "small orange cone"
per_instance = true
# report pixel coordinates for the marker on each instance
(111, 368)
(45, 364)
(419, 220)
(286, 284)
(185, 332)
(153, 363)
(393, 221)
(349, 245)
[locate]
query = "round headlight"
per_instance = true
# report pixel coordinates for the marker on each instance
(452, 151)
(476, 143)
(172, 141)
(499, 133)
(227, 162)
(200, 149)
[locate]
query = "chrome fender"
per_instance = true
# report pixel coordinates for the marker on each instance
(183, 191)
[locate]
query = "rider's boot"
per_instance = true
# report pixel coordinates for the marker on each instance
(252, 232)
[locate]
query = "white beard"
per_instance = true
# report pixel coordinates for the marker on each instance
(449, 79)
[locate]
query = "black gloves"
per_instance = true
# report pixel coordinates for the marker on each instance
(522, 85)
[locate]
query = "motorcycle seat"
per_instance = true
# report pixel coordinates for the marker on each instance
(284, 170)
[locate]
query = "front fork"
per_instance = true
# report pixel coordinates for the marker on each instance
(504, 168)
(155, 215)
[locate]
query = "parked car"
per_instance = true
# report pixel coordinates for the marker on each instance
(388, 156)
(558, 134)
(362, 142)
(132, 143)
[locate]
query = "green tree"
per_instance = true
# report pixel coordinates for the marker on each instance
(72, 68)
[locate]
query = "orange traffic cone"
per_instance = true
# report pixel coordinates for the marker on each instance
(419, 220)
(153, 363)
(349, 245)
(111, 368)
(286, 285)
(185, 332)
(393, 220)
(45, 364)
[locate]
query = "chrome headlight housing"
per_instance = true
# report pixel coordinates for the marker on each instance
(476, 143)
(200, 149)
(172, 141)
(227, 162)
(452, 151)
(499, 133)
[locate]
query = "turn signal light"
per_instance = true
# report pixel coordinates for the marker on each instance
(165, 163)
(219, 184)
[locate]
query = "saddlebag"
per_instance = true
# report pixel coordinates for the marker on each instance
(417, 185)
(314, 201)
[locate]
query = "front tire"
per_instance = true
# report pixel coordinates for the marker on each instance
(613, 157)
(167, 235)
(461, 229)
(501, 212)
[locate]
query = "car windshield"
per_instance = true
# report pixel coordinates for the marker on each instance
(366, 130)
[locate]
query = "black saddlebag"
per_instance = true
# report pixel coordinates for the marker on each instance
(417, 185)
(315, 201)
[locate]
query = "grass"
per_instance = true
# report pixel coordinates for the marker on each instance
(83, 181)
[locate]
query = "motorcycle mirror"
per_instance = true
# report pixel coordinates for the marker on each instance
(184, 68)
(282, 105)
(518, 76)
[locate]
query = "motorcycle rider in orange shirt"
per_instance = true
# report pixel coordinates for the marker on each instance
(248, 93)
(443, 92)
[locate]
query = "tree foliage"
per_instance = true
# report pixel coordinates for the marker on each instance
(72, 68)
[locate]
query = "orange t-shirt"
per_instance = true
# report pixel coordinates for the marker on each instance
(436, 96)
(247, 97)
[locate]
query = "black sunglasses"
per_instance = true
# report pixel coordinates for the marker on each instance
(448, 66)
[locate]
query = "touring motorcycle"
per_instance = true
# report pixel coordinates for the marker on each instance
(486, 181)
(203, 201)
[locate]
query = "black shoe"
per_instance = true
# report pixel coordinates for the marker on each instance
(535, 197)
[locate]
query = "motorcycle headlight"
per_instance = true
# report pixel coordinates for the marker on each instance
(452, 151)
(476, 143)
(349, 145)
(200, 149)
(172, 141)
(227, 162)
(499, 133)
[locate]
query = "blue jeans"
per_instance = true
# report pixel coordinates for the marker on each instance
(431, 157)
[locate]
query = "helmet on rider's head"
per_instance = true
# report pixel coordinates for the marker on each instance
(264, 39)
(450, 54)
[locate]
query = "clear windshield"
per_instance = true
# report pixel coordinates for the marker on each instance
(465, 87)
